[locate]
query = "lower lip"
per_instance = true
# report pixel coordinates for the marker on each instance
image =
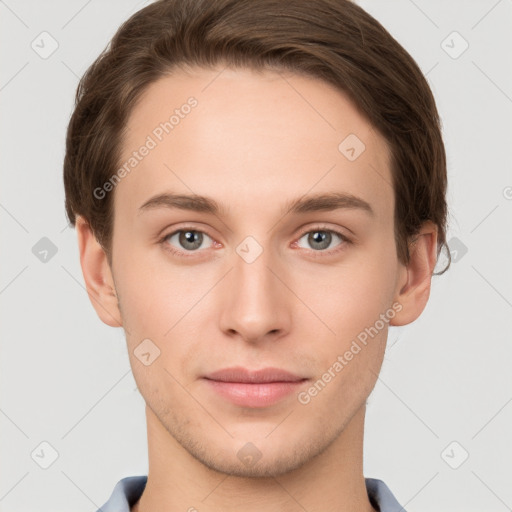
(254, 395)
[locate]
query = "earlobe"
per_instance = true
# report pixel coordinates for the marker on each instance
(413, 288)
(97, 275)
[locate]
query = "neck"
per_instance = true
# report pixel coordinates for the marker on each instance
(331, 481)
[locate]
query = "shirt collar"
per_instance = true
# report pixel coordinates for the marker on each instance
(129, 489)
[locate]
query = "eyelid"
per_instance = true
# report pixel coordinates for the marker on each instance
(323, 227)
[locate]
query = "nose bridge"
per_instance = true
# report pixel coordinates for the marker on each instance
(256, 302)
(251, 273)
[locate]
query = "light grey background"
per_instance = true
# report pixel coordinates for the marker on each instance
(65, 376)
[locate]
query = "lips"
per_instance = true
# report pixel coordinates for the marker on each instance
(253, 388)
(265, 375)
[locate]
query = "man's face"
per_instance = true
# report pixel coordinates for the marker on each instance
(254, 285)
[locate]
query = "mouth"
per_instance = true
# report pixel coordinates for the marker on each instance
(254, 388)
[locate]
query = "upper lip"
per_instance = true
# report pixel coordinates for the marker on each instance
(240, 374)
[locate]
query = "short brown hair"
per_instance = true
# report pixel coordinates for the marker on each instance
(331, 40)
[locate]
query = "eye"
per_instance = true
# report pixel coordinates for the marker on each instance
(321, 238)
(188, 241)
(184, 240)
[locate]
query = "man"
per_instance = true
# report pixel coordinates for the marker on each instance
(259, 193)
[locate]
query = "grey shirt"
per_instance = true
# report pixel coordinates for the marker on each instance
(129, 489)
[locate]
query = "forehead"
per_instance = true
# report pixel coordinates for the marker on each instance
(250, 136)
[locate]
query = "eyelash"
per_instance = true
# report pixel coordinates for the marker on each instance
(315, 254)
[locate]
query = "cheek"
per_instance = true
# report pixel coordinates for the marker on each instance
(154, 296)
(166, 304)
(347, 373)
(163, 389)
(352, 299)
(352, 305)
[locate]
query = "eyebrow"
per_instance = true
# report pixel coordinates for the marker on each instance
(305, 204)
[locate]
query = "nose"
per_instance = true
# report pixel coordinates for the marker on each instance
(257, 305)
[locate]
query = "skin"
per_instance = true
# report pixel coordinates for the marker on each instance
(255, 141)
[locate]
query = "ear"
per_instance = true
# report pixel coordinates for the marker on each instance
(97, 275)
(413, 286)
